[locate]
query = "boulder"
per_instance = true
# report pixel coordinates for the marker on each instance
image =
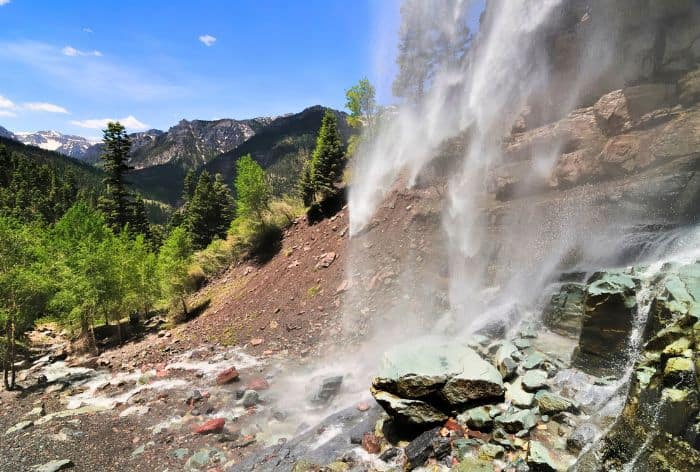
(610, 307)
(620, 111)
(250, 398)
(564, 311)
(582, 436)
(422, 448)
(329, 388)
(407, 411)
(517, 396)
(436, 373)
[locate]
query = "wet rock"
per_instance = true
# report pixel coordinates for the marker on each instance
(581, 437)
(390, 454)
(215, 425)
(514, 420)
(679, 372)
(407, 411)
(610, 306)
(689, 88)
(421, 449)
(257, 384)
(564, 312)
(534, 380)
(371, 443)
(477, 418)
(522, 343)
(539, 459)
(473, 464)
(491, 452)
(227, 376)
(329, 388)
(550, 403)
(519, 397)
(54, 466)
(250, 398)
(533, 361)
(507, 368)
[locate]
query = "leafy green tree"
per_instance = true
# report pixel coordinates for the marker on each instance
(173, 262)
(328, 157)
(253, 192)
(144, 263)
(360, 100)
(24, 291)
(115, 204)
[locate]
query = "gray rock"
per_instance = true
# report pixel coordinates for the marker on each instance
(581, 437)
(54, 466)
(477, 418)
(550, 403)
(204, 457)
(507, 368)
(250, 398)
(533, 361)
(492, 451)
(519, 397)
(538, 458)
(329, 388)
(420, 449)
(564, 312)
(534, 380)
(179, 453)
(407, 411)
(515, 420)
(19, 427)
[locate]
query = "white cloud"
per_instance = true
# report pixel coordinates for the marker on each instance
(106, 77)
(85, 30)
(5, 102)
(129, 122)
(43, 106)
(7, 113)
(207, 39)
(4, 2)
(72, 52)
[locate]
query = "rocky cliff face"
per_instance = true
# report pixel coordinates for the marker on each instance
(6, 134)
(69, 145)
(189, 144)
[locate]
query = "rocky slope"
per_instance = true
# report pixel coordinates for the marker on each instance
(69, 145)
(189, 144)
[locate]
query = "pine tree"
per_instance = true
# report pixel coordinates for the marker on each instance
(115, 204)
(189, 185)
(224, 211)
(200, 217)
(306, 185)
(138, 220)
(328, 157)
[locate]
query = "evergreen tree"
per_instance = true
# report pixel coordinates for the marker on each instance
(328, 157)
(224, 206)
(200, 217)
(115, 204)
(253, 192)
(138, 220)
(189, 185)
(306, 185)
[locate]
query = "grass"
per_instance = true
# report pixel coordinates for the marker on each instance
(313, 291)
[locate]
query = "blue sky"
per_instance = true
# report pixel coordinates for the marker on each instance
(71, 65)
